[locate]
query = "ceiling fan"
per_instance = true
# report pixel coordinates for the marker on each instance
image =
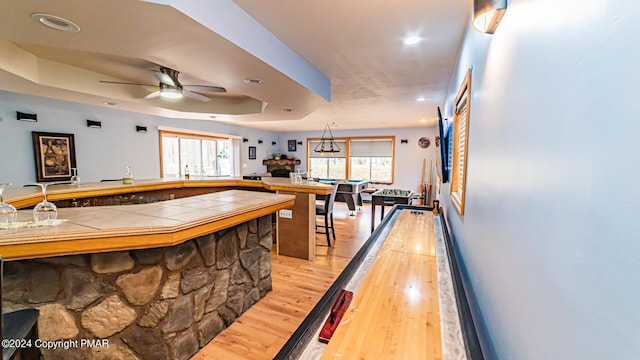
(170, 88)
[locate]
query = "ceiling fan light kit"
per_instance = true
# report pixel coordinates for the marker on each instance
(169, 92)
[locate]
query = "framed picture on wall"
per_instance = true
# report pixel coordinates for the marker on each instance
(252, 152)
(55, 156)
(291, 145)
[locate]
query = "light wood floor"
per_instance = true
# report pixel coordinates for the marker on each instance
(395, 313)
(297, 285)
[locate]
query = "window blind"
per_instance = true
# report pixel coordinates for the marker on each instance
(371, 147)
(462, 130)
(338, 154)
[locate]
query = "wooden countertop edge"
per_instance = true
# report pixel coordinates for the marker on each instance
(23, 201)
(114, 241)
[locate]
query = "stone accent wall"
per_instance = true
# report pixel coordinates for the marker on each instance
(163, 303)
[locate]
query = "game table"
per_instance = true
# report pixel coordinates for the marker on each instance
(388, 197)
(349, 191)
(400, 297)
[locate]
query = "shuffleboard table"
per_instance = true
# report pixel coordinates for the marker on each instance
(405, 299)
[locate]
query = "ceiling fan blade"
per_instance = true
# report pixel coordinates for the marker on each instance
(125, 83)
(205, 88)
(164, 78)
(195, 96)
(153, 95)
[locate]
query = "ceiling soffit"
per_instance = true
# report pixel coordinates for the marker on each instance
(126, 40)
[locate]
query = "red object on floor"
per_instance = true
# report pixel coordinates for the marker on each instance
(335, 315)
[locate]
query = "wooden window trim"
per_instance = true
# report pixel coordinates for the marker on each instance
(348, 152)
(180, 134)
(457, 189)
(192, 136)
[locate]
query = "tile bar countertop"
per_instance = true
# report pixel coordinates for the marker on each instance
(126, 227)
(22, 197)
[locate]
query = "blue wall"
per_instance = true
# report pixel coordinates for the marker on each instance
(102, 153)
(408, 157)
(550, 237)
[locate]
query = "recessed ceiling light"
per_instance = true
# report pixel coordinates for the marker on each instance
(110, 103)
(420, 99)
(287, 110)
(55, 22)
(212, 116)
(411, 40)
(254, 81)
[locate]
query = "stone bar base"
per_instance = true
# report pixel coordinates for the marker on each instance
(163, 303)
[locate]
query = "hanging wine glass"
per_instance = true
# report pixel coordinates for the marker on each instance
(8, 212)
(45, 210)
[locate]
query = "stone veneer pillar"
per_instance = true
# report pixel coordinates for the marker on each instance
(153, 304)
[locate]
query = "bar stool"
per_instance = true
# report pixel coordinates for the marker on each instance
(326, 210)
(19, 325)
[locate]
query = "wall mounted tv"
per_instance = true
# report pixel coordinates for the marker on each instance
(444, 148)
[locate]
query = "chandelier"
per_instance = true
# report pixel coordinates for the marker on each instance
(327, 144)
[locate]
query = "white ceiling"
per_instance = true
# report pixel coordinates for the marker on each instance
(356, 45)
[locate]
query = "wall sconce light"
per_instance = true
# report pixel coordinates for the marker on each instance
(299, 142)
(259, 141)
(487, 14)
(141, 129)
(245, 140)
(26, 117)
(404, 141)
(273, 143)
(94, 124)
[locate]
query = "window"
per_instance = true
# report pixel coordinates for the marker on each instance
(206, 155)
(371, 159)
(362, 158)
(327, 166)
(460, 144)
